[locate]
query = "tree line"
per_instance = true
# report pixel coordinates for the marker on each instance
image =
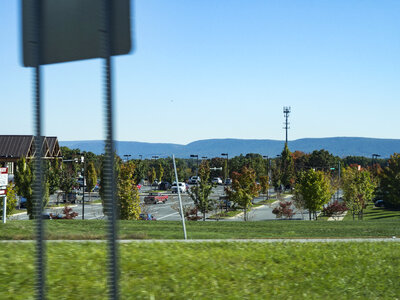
(250, 174)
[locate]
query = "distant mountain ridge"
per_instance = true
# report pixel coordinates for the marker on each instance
(340, 146)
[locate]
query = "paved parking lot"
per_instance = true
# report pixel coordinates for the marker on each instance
(167, 211)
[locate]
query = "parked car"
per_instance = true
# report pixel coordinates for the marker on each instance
(155, 183)
(148, 217)
(379, 203)
(155, 198)
(182, 187)
(22, 202)
(216, 180)
(164, 185)
(194, 180)
(228, 181)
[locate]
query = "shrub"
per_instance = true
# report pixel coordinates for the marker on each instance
(284, 210)
(334, 208)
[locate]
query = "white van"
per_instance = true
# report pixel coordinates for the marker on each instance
(182, 187)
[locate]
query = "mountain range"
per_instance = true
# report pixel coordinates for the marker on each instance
(339, 146)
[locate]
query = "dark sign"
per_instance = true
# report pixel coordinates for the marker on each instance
(73, 30)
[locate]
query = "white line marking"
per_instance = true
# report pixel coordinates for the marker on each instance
(175, 213)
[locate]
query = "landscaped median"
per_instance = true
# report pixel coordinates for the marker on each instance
(96, 229)
(208, 270)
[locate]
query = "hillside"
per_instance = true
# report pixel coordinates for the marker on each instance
(340, 146)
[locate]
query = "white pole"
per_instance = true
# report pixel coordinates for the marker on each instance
(179, 197)
(4, 209)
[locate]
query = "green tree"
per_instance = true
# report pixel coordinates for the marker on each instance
(201, 192)
(276, 175)
(160, 172)
(389, 190)
(244, 189)
(23, 185)
(287, 168)
(53, 172)
(358, 189)
(314, 190)
(322, 160)
(152, 175)
(127, 192)
(264, 182)
(67, 181)
(11, 200)
(91, 178)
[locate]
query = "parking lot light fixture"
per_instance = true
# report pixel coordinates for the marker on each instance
(127, 157)
(227, 164)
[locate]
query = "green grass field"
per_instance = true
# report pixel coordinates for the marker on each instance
(96, 229)
(209, 271)
(376, 213)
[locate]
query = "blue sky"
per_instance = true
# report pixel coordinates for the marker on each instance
(223, 69)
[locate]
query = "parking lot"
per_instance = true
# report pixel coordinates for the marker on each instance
(168, 211)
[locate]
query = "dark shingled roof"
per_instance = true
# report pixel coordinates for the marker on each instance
(15, 145)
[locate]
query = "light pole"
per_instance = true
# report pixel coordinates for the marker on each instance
(197, 157)
(227, 165)
(83, 162)
(127, 157)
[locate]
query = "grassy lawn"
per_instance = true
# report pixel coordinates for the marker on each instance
(96, 229)
(376, 213)
(209, 271)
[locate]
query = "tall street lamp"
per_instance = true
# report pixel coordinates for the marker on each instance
(127, 157)
(197, 157)
(227, 165)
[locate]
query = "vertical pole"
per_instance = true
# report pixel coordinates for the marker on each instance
(83, 197)
(4, 209)
(197, 173)
(180, 199)
(337, 196)
(109, 162)
(38, 142)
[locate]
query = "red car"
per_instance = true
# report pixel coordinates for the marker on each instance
(155, 198)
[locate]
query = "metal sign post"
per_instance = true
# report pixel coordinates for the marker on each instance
(55, 31)
(4, 209)
(180, 199)
(3, 190)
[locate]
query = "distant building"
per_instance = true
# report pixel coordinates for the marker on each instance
(15, 147)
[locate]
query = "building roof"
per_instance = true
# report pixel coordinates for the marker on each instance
(17, 146)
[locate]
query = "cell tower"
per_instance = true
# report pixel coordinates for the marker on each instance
(286, 112)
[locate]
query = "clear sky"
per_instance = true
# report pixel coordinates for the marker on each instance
(223, 69)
